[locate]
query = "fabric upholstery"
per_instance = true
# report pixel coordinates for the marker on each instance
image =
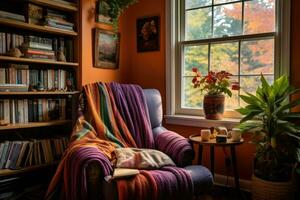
(135, 158)
(153, 99)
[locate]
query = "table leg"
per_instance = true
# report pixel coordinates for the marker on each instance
(235, 169)
(200, 151)
(212, 160)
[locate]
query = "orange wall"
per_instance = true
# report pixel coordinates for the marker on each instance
(145, 69)
(88, 73)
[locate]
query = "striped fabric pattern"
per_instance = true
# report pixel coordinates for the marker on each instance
(116, 115)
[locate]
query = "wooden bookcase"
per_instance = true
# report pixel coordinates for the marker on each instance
(39, 128)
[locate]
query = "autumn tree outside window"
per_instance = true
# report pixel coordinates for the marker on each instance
(239, 36)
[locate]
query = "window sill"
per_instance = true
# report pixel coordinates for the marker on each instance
(197, 121)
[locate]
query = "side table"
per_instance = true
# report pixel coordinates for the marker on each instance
(196, 139)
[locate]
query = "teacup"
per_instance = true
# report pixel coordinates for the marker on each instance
(236, 134)
(205, 134)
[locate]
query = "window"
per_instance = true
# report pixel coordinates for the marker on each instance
(239, 36)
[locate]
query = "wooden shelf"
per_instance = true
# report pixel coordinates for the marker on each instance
(38, 61)
(33, 27)
(11, 172)
(34, 124)
(39, 93)
(57, 4)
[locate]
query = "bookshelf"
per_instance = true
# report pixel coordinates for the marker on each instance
(37, 93)
(34, 27)
(34, 125)
(40, 129)
(10, 172)
(57, 4)
(38, 61)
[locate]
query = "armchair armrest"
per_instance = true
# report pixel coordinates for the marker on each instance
(174, 145)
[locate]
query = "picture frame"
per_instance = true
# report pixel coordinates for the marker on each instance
(102, 9)
(148, 34)
(106, 49)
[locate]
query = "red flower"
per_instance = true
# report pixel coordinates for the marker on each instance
(195, 69)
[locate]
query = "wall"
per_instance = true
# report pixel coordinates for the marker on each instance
(88, 73)
(148, 70)
(145, 69)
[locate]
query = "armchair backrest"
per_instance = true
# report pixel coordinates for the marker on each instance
(154, 103)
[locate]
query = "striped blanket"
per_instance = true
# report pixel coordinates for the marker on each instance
(116, 115)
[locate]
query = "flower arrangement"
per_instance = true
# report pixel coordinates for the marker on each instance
(214, 83)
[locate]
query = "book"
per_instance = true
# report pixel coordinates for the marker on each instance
(13, 88)
(36, 45)
(13, 16)
(124, 172)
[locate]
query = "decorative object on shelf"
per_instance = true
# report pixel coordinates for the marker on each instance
(15, 52)
(106, 50)
(103, 12)
(61, 56)
(112, 9)
(148, 34)
(268, 117)
(34, 14)
(216, 84)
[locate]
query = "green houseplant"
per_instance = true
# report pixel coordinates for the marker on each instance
(268, 117)
(215, 85)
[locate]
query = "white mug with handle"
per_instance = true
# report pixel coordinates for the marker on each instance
(236, 134)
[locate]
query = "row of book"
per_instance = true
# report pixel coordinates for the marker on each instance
(14, 111)
(38, 15)
(41, 79)
(37, 47)
(26, 153)
(44, 16)
(58, 20)
(10, 40)
(13, 16)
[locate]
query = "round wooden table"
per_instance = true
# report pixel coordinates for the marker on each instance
(196, 139)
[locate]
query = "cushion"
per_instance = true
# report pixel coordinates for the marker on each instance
(135, 158)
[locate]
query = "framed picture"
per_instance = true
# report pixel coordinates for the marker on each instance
(102, 12)
(148, 34)
(106, 49)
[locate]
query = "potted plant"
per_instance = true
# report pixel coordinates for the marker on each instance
(216, 85)
(268, 117)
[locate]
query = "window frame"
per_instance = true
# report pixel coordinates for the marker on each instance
(174, 58)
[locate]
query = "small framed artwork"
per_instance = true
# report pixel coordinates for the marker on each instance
(106, 49)
(102, 14)
(148, 34)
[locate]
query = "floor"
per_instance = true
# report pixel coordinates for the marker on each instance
(226, 193)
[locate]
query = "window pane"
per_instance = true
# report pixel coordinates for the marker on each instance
(198, 24)
(257, 57)
(191, 97)
(232, 102)
(195, 56)
(196, 3)
(224, 56)
(223, 1)
(259, 16)
(228, 20)
(251, 83)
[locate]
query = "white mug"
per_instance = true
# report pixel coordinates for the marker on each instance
(236, 134)
(205, 134)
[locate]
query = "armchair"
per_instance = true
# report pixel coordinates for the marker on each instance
(201, 176)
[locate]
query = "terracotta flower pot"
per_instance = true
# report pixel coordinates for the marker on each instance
(213, 106)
